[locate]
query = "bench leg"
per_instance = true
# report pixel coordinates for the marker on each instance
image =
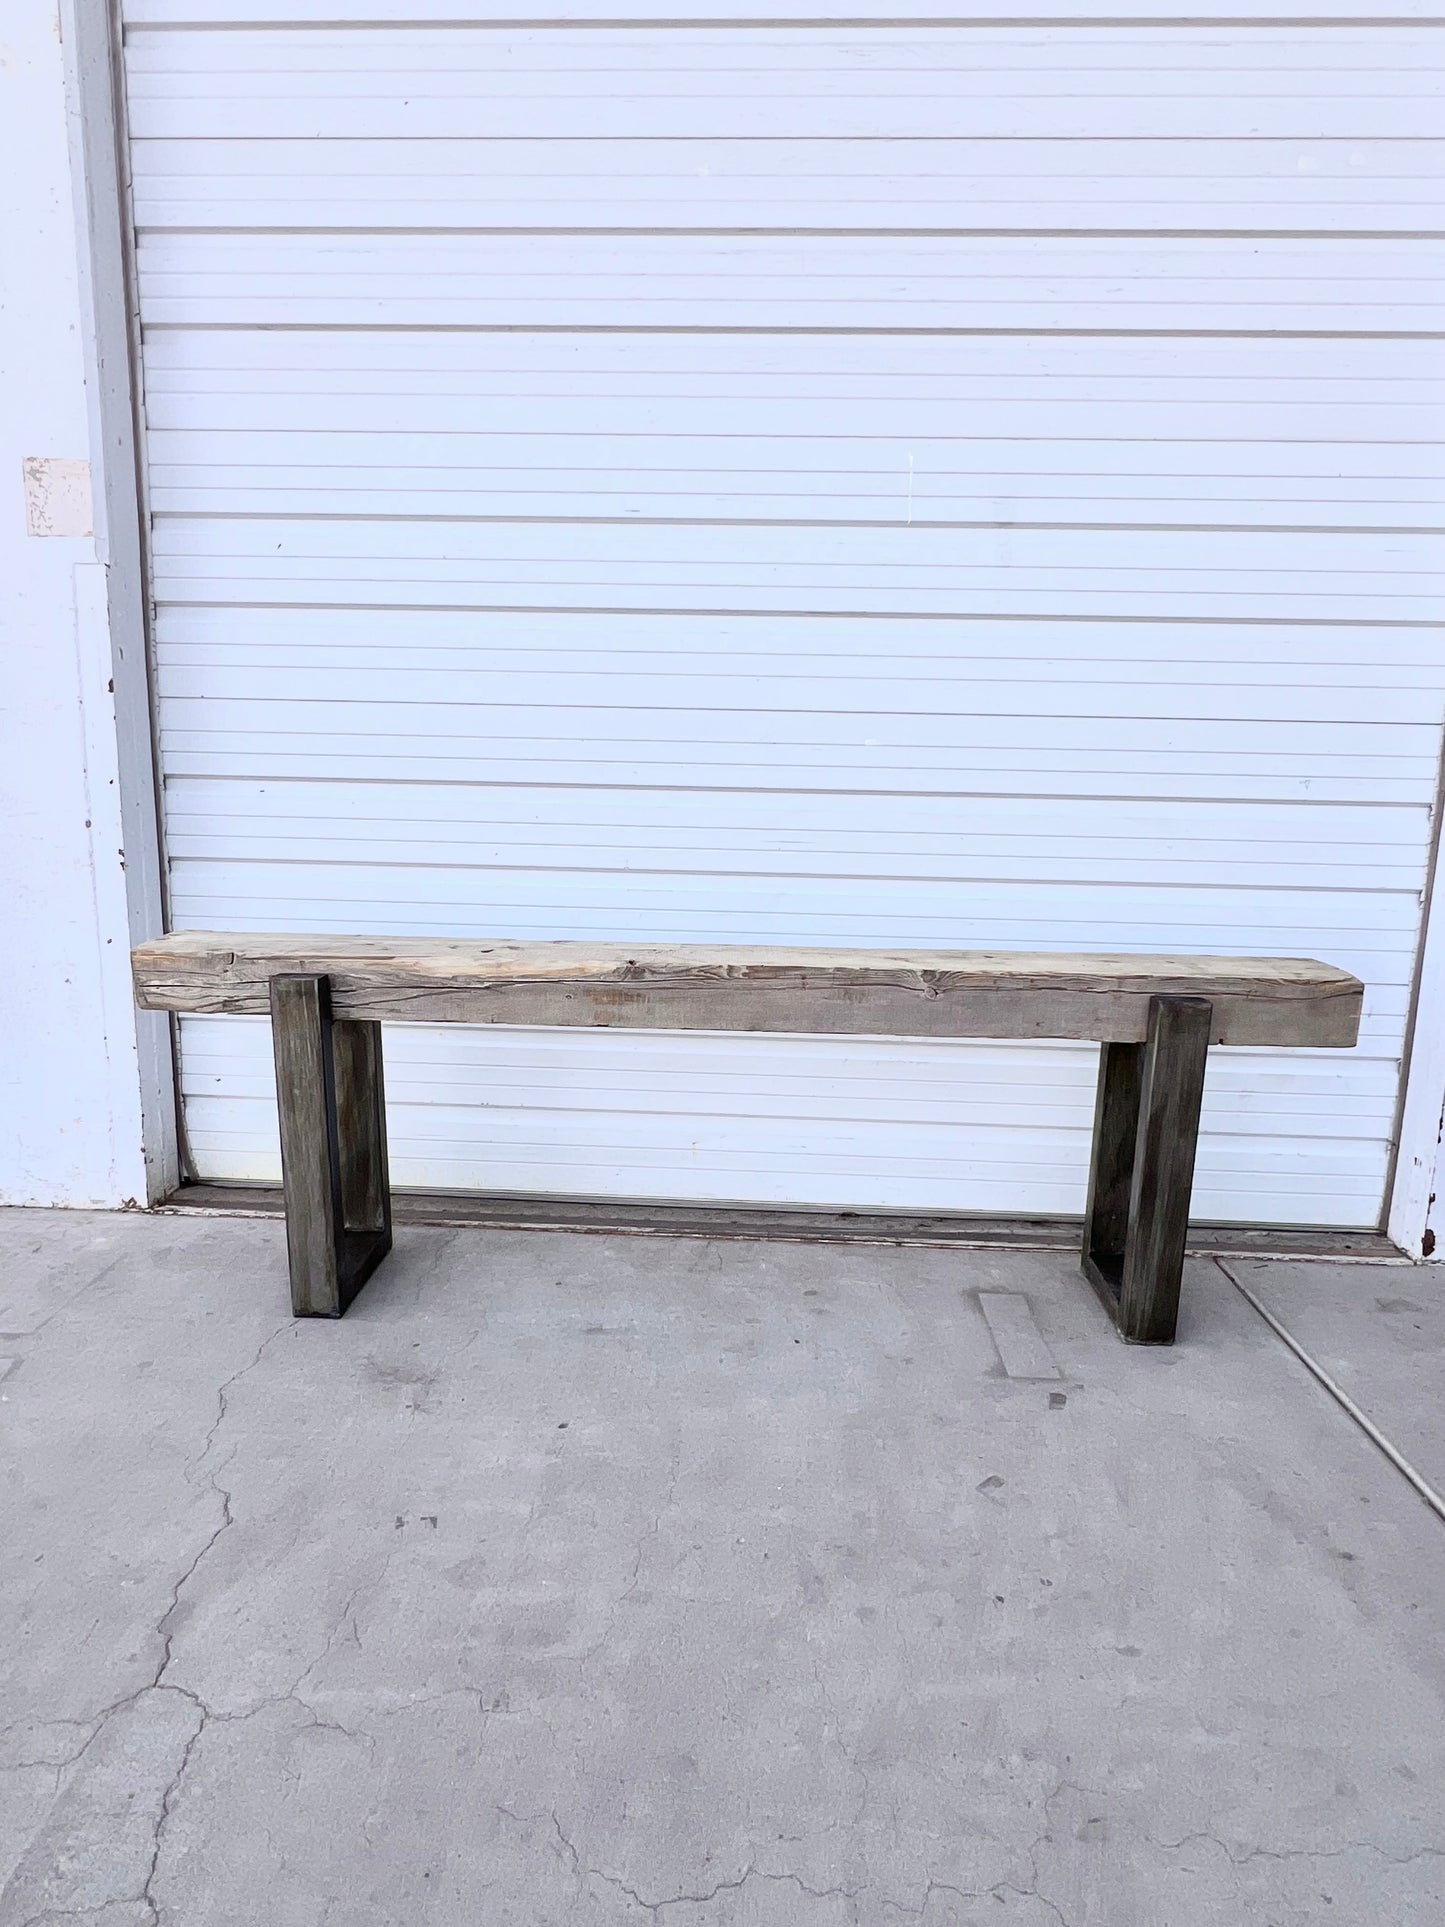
(1146, 1127)
(332, 1103)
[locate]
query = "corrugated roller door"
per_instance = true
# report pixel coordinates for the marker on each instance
(961, 483)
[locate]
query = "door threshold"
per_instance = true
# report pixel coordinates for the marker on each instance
(795, 1224)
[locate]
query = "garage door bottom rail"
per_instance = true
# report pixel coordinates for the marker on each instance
(780, 1224)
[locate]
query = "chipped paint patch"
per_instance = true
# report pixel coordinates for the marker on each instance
(57, 496)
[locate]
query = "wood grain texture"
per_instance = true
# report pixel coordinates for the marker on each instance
(1111, 1166)
(1171, 1087)
(301, 1031)
(332, 1110)
(720, 987)
(361, 1127)
(1146, 1131)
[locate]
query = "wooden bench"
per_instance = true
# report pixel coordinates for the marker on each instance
(1155, 1018)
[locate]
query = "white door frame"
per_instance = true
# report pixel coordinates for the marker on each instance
(95, 112)
(1416, 1218)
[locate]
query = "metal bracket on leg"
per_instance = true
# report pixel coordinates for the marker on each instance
(332, 1103)
(1146, 1127)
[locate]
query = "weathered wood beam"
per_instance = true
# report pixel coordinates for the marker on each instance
(721, 987)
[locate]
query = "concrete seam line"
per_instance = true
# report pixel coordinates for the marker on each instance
(1337, 1392)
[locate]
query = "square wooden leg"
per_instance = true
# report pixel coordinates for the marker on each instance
(331, 1098)
(1146, 1128)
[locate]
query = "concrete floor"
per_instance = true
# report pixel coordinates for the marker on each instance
(612, 1581)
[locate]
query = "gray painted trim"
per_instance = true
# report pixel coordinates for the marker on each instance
(101, 186)
(532, 23)
(1413, 1176)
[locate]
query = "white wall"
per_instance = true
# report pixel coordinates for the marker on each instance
(73, 1063)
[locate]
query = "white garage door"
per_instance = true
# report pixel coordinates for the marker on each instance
(955, 483)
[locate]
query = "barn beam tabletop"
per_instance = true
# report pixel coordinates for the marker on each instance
(1291, 1002)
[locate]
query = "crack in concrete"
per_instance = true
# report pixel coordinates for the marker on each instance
(649, 1533)
(75, 1913)
(47, 1764)
(995, 1892)
(223, 1391)
(998, 1888)
(833, 1729)
(206, 1716)
(147, 1897)
(751, 1872)
(1295, 1853)
(465, 1691)
(158, 1682)
(222, 1492)
(162, 1629)
(583, 1871)
(143, 1897)
(1031, 1893)
(346, 1618)
(935, 1887)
